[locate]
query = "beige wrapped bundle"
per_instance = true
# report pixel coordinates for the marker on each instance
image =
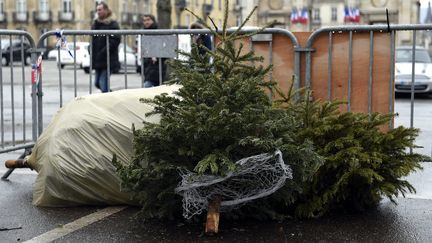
(73, 154)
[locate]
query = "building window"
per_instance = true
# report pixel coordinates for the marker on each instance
(67, 6)
(146, 6)
(238, 20)
(2, 6)
(135, 12)
(316, 14)
(125, 6)
(21, 6)
(135, 7)
(43, 6)
(188, 20)
(334, 14)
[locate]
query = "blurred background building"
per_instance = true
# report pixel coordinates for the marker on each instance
(307, 15)
(38, 16)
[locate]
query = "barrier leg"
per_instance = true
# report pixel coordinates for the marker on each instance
(7, 174)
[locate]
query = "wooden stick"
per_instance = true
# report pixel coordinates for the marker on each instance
(212, 224)
(16, 163)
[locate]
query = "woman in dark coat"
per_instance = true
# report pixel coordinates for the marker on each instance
(104, 21)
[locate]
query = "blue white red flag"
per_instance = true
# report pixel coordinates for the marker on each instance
(351, 14)
(295, 18)
(304, 16)
(355, 15)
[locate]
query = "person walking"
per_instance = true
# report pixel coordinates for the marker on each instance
(151, 65)
(104, 21)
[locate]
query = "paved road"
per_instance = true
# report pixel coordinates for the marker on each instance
(422, 117)
(409, 221)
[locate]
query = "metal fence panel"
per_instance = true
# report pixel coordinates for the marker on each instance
(18, 108)
(21, 116)
(372, 67)
(158, 43)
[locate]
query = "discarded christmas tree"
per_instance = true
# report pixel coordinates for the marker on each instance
(222, 113)
(363, 160)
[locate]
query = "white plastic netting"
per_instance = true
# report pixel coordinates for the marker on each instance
(255, 177)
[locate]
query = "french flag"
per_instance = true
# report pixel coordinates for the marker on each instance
(304, 16)
(347, 14)
(295, 18)
(351, 15)
(355, 15)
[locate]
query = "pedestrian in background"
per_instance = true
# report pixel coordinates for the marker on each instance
(104, 21)
(151, 65)
(203, 41)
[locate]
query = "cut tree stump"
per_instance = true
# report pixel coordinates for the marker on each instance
(212, 224)
(16, 163)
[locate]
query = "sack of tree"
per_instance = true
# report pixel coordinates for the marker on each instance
(73, 155)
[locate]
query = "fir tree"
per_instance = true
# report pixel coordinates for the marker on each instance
(221, 113)
(362, 161)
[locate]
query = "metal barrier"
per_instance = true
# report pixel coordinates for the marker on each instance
(352, 30)
(279, 47)
(17, 46)
(391, 30)
(163, 38)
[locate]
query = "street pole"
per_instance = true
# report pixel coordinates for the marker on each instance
(180, 5)
(310, 6)
(178, 18)
(418, 3)
(418, 12)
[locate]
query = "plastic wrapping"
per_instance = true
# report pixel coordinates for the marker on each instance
(73, 154)
(255, 177)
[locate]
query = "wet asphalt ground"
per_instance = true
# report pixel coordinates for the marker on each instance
(408, 221)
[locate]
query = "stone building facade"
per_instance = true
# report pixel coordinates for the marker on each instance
(39, 16)
(331, 12)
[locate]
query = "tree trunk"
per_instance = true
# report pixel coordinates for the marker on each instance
(212, 224)
(164, 14)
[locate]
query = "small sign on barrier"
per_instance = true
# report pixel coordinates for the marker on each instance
(163, 46)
